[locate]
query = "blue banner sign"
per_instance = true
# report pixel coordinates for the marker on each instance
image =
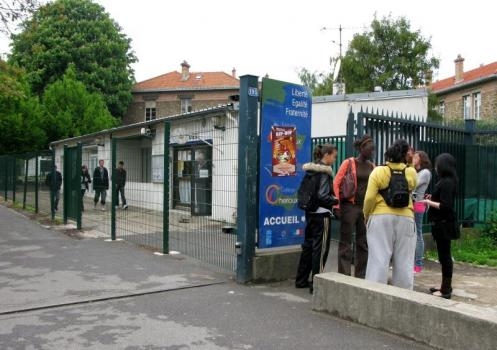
(285, 147)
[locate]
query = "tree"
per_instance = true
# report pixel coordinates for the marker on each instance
(389, 55)
(82, 33)
(320, 83)
(70, 110)
(20, 113)
(12, 11)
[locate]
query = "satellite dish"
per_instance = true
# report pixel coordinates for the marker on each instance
(336, 70)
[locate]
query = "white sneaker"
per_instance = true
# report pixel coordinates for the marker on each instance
(103, 207)
(94, 207)
(125, 207)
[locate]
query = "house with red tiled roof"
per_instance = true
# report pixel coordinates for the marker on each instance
(180, 92)
(468, 95)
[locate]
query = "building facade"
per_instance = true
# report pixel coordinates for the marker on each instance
(468, 95)
(182, 92)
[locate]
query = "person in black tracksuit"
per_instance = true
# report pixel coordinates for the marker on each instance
(85, 180)
(443, 217)
(100, 184)
(120, 183)
(317, 231)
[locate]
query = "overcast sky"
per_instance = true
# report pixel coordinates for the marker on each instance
(280, 37)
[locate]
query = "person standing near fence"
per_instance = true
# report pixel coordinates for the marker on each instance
(54, 184)
(352, 177)
(390, 229)
(85, 180)
(316, 244)
(443, 217)
(120, 183)
(422, 164)
(100, 184)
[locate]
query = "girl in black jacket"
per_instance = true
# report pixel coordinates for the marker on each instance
(443, 217)
(317, 229)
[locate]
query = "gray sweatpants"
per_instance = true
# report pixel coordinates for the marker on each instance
(391, 237)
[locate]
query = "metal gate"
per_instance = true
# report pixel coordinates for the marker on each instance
(72, 184)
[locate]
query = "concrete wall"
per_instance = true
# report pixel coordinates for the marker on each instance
(329, 113)
(441, 323)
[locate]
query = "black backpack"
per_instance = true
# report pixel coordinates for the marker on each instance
(396, 195)
(307, 193)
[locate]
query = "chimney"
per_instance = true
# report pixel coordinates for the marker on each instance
(233, 72)
(459, 61)
(185, 70)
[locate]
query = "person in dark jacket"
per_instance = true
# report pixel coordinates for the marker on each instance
(120, 183)
(100, 184)
(54, 185)
(317, 230)
(443, 217)
(85, 180)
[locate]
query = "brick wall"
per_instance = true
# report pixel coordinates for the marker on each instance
(454, 103)
(168, 103)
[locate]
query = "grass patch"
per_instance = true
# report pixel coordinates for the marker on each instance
(472, 248)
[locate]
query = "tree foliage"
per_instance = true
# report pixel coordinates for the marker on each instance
(320, 83)
(390, 55)
(71, 110)
(20, 113)
(79, 32)
(12, 11)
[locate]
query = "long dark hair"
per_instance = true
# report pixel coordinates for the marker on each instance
(396, 153)
(321, 150)
(445, 165)
(424, 160)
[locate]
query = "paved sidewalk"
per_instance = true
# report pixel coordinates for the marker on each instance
(63, 292)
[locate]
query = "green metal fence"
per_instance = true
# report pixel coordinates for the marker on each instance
(22, 180)
(476, 163)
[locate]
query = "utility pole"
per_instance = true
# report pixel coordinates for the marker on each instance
(340, 86)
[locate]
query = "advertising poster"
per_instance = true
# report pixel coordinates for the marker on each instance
(285, 147)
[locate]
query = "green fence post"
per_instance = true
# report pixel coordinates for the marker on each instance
(52, 186)
(349, 138)
(67, 182)
(36, 184)
(165, 191)
(77, 184)
(6, 178)
(26, 163)
(247, 177)
(14, 178)
(113, 191)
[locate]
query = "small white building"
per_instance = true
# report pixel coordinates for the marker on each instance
(203, 153)
(329, 113)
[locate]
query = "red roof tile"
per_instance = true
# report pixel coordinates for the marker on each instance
(478, 73)
(195, 81)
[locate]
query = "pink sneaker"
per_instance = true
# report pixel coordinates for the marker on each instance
(418, 269)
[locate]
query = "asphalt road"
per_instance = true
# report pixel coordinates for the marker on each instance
(59, 292)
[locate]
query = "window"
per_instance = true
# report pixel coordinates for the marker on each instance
(466, 105)
(476, 105)
(186, 105)
(441, 108)
(150, 110)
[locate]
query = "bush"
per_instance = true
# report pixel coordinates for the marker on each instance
(490, 228)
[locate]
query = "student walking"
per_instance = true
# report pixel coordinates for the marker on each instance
(100, 184)
(316, 244)
(120, 183)
(85, 180)
(55, 184)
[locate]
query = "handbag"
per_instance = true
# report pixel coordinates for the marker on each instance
(347, 185)
(419, 207)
